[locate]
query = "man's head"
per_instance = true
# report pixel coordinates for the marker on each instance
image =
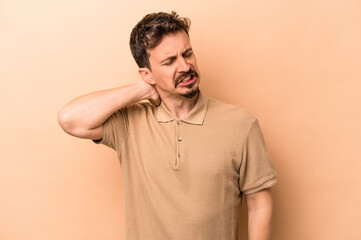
(161, 47)
(148, 33)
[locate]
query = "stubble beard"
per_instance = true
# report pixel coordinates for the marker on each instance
(191, 93)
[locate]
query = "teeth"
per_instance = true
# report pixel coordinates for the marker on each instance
(185, 79)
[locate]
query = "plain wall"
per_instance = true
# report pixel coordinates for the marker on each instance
(295, 65)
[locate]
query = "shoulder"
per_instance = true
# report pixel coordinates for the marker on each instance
(136, 110)
(229, 113)
(142, 107)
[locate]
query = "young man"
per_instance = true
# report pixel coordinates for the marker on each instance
(186, 159)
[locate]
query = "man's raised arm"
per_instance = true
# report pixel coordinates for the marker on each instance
(83, 117)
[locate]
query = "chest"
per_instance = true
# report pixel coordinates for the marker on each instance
(186, 150)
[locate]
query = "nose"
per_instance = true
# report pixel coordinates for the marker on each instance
(183, 65)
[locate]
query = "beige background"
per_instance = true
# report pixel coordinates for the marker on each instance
(295, 65)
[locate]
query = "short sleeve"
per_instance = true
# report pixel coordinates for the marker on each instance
(257, 171)
(115, 130)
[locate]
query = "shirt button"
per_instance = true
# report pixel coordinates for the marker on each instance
(180, 139)
(180, 155)
(179, 122)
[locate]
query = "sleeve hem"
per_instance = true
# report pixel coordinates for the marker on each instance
(97, 141)
(265, 185)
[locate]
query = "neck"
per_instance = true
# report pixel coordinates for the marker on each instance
(180, 106)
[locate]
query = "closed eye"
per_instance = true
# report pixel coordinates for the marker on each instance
(187, 54)
(169, 62)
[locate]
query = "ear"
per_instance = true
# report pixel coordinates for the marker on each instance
(146, 74)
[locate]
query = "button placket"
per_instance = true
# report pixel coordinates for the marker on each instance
(178, 139)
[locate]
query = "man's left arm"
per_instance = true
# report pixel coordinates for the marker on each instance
(259, 206)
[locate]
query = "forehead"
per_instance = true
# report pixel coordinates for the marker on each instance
(171, 44)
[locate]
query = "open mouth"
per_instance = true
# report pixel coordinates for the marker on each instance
(187, 80)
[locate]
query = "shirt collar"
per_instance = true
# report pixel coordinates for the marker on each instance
(195, 116)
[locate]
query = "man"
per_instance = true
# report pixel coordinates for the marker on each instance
(186, 159)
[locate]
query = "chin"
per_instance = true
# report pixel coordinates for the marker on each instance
(191, 93)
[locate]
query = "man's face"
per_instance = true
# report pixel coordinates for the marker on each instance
(174, 66)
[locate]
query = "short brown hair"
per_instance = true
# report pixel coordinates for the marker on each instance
(149, 32)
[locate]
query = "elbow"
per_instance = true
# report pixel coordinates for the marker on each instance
(64, 121)
(70, 124)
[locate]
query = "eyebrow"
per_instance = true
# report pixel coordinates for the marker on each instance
(171, 58)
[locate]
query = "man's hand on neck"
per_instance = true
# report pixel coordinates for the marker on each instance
(150, 93)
